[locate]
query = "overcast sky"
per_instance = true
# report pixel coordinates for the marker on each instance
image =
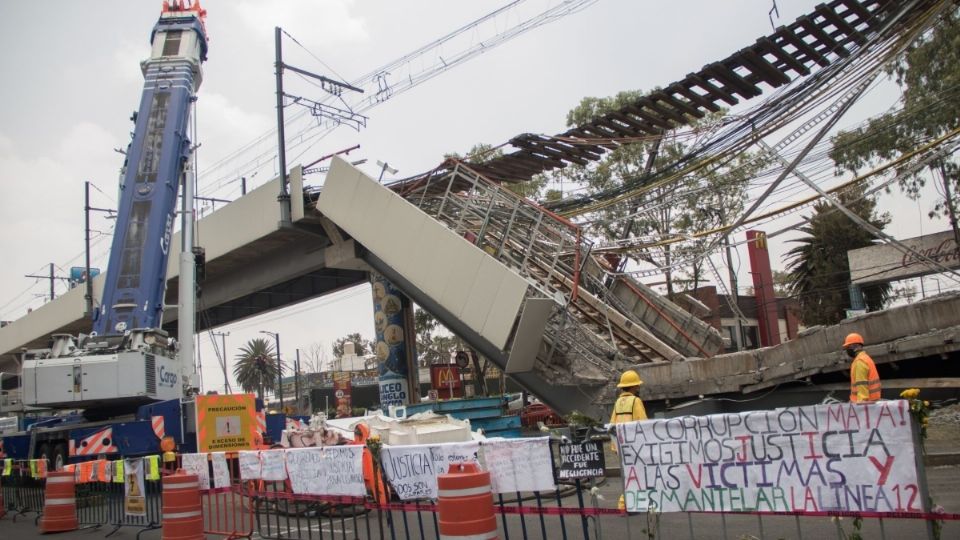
(72, 79)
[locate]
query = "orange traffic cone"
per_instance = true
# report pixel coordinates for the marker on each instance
(60, 503)
(182, 510)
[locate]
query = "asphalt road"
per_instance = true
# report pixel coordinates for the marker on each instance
(944, 485)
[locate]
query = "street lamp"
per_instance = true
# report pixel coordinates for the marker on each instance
(276, 337)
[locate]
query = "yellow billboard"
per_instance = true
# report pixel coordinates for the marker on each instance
(226, 423)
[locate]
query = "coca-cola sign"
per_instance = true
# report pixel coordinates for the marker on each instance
(887, 263)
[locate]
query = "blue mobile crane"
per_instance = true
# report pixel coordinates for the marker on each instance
(126, 375)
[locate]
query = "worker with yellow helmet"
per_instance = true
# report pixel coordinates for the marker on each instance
(864, 379)
(629, 407)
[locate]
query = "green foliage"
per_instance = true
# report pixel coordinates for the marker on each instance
(577, 418)
(818, 267)
(709, 195)
(435, 344)
(929, 75)
(256, 367)
(482, 153)
(361, 346)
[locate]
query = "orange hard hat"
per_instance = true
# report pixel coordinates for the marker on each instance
(853, 338)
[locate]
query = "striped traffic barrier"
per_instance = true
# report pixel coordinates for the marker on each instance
(60, 503)
(182, 511)
(465, 509)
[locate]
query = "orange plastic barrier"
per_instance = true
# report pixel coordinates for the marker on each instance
(182, 511)
(60, 503)
(465, 508)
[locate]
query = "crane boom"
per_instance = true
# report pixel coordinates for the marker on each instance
(127, 360)
(136, 274)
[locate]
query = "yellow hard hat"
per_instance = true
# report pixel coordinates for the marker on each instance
(853, 339)
(629, 378)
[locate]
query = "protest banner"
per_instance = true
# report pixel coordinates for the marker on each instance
(519, 464)
(134, 495)
(326, 470)
(197, 464)
(221, 472)
(273, 466)
(249, 465)
(581, 460)
(837, 457)
(412, 470)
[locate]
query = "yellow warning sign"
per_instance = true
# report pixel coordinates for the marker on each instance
(225, 423)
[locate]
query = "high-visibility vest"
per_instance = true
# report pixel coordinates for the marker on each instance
(118, 471)
(623, 409)
(873, 378)
(101, 468)
(153, 467)
(7, 466)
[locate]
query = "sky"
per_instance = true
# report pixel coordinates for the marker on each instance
(72, 79)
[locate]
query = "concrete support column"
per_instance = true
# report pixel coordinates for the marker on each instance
(395, 344)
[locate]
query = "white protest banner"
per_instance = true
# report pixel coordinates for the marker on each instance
(134, 495)
(249, 464)
(838, 457)
(221, 472)
(412, 470)
(446, 454)
(273, 466)
(519, 464)
(197, 464)
(326, 470)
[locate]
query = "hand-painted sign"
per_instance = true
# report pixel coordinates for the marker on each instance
(581, 460)
(225, 423)
(837, 457)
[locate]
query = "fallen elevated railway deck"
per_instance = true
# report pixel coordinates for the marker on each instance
(921, 336)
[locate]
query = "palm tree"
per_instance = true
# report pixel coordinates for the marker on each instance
(818, 269)
(256, 367)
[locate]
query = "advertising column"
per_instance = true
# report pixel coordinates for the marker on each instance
(395, 351)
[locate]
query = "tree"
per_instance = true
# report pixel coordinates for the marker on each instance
(709, 194)
(781, 284)
(314, 358)
(256, 367)
(818, 267)
(361, 346)
(435, 344)
(929, 74)
(482, 153)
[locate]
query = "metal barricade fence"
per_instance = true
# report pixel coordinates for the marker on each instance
(23, 488)
(227, 511)
(101, 498)
(568, 512)
(282, 514)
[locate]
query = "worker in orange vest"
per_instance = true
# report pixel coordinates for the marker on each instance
(628, 408)
(377, 487)
(864, 380)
